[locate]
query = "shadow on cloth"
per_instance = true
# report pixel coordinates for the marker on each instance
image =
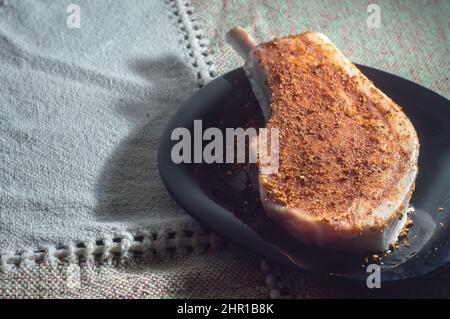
(129, 189)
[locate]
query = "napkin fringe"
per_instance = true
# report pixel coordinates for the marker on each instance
(194, 41)
(164, 243)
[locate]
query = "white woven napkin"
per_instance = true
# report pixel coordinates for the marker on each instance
(81, 111)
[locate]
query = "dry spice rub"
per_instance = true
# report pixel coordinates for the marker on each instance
(335, 144)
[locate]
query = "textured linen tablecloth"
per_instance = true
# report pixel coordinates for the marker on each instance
(82, 210)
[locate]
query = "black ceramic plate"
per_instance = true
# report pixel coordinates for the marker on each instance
(219, 195)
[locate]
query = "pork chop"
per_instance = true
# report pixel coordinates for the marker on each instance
(347, 153)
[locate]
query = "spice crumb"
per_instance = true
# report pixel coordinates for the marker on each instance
(409, 223)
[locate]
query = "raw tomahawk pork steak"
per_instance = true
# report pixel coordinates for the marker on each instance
(347, 153)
